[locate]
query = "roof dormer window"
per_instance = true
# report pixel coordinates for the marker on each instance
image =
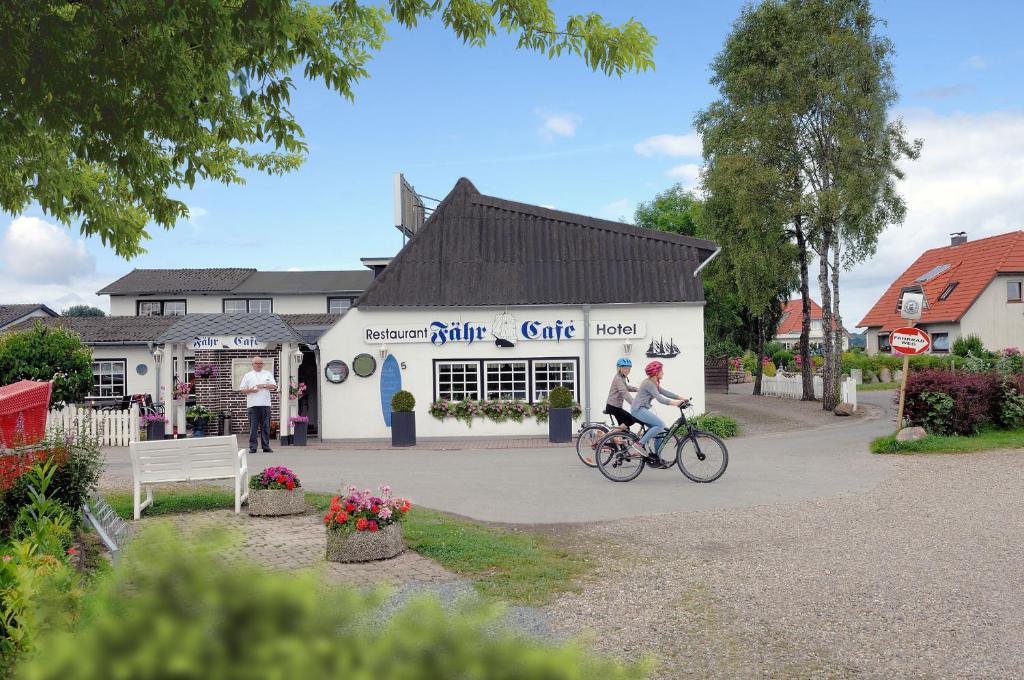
(931, 273)
(948, 290)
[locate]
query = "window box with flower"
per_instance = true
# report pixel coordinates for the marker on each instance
(300, 427)
(362, 527)
(275, 492)
(155, 425)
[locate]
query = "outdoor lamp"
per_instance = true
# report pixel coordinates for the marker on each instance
(158, 356)
(383, 351)
(297, 356)
(627, 347)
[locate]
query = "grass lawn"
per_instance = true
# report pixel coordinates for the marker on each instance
(508, 564)
(984, 440)
(877, 387)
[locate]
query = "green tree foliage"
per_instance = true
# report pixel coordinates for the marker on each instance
(83, 310)
(106, 106)
(803, 124)
(175, 609)
(45, 353)
(679, 211)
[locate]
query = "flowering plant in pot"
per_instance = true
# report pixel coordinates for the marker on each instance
(403, 419)
(154, 424)
(300, 426)
(204, 371)
(296, 390)
(362, 526)
(276, 491)
(199, 416)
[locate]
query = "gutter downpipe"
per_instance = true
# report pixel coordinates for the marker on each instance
(586, 363)
(706, 262)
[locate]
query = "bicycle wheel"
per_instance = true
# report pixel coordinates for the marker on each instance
(613, 457)
(586, 442)
(702, 457)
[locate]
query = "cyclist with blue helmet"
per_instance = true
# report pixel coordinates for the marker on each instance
(620, 392)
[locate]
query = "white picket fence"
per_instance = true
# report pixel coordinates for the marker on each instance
(793, 388)
(112, 428)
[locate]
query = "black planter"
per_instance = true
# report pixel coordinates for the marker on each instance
(155, 430)
(403, 428)
(199, 429)
(299, 437)
(560, 425)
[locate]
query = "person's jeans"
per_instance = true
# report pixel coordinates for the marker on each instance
(655, 425)
(259, 418)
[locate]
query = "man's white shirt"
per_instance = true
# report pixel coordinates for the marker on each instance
(260, 397)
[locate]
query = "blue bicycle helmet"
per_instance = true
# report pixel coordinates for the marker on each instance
(623, 363)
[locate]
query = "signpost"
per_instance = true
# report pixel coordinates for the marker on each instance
(907, 341)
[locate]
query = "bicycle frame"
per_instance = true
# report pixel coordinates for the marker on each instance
(672, 430)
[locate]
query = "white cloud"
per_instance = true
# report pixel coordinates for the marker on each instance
(617, 210)
(549, 207)
(558, 124)
(970, 177)
(670, 145)
(688, 174)
(976, 62)
(35, 251)
(43, 263)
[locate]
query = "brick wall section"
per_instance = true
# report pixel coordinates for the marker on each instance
(220, 396)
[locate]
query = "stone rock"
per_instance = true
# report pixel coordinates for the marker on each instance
(885, 375)
(365, 546)
(911, 434)
(898, 375)
(276, 502)
(844, 409)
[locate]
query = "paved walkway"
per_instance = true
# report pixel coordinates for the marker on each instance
(298, 542)
(550, 486)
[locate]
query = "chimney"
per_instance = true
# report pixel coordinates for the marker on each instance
(958, 238)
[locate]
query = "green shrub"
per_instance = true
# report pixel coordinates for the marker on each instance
(173, 609)
(403, 401)
(937, 407)
(725, 347)
(968, 344)
(199, 414)
(45, 353)
(783, 359)
(79, 463)
(723, 426)
(749, 361)
(560, 397)
(772, 347)
(768, 368)
(1011, 406)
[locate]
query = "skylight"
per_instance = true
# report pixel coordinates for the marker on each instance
(932, 273)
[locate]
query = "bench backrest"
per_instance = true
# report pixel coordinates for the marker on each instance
(180, 460)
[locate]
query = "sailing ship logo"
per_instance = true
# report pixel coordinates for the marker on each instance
(504, 330)
(659, 349)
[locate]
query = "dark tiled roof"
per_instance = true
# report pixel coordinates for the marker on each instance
(115, 329)
(11, 313)
(478, 250)
(140, 281)
(284, 283)
(265, 327)
(311, 326)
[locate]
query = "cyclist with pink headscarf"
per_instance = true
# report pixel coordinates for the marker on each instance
(649, 390)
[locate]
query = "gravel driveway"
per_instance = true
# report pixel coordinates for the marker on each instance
(921, 577)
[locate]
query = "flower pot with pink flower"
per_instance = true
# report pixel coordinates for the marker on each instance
(274, 492)
(363, 526)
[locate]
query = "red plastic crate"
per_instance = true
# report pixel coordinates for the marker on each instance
(23, 408)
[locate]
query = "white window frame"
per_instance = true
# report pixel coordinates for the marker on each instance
(230, 301)
(248, 305)
(501, 390)
(465, 392)
(190, 368)
(936, 348)
(1020, 291)
(98, 388)
(333, 299)
(534, 380)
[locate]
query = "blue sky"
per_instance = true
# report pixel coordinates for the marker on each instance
(554, 133)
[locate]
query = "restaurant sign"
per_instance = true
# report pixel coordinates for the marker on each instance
(226, 342)
(506, 332)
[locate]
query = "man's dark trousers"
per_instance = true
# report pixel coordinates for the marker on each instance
(259, 418)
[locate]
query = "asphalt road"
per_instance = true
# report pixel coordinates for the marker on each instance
(550, 486)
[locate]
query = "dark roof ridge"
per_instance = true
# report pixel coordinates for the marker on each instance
(597, 222)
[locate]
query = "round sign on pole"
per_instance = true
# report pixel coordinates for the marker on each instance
(909, 341)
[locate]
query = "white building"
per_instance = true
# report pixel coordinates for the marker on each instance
(12, 315)
(497, 300)
(969, 288)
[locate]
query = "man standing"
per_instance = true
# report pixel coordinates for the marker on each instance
(257, 385)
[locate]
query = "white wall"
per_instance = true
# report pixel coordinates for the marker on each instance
(998, 323)
(352, 409)
(133, 356)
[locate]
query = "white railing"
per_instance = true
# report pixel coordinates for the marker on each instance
(112, 428)
(793, 388)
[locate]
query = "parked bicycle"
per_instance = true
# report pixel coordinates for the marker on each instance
(701, 456)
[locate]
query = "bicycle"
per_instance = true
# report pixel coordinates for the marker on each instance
(701, 456)
(591, 433)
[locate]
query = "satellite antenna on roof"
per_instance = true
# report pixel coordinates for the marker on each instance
(410, 211)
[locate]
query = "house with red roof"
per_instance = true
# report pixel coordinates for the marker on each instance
(969, 287)
(788, 332)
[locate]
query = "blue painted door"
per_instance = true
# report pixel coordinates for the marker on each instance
(390, 382)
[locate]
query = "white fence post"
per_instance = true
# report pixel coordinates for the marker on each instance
(792, 388)
(112, 428)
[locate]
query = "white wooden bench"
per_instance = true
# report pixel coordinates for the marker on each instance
(188, 460)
